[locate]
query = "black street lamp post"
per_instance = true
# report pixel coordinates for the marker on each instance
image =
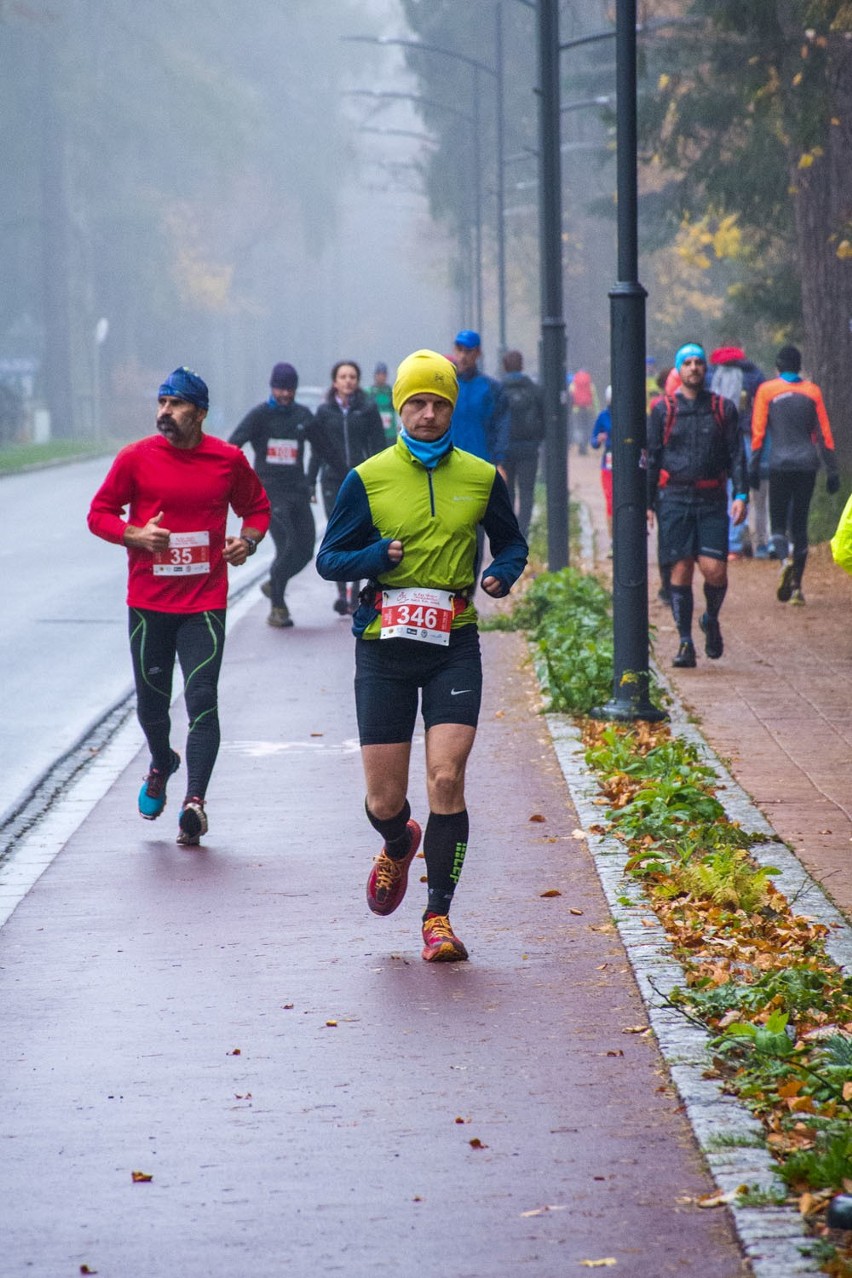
(630, 698)
(553, 356)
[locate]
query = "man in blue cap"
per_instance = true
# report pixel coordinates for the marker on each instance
(694, 447)
(177, 487)
(480, 419)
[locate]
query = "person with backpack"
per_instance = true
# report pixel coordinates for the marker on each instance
(694, 446)
(525, 406)
(737, 378)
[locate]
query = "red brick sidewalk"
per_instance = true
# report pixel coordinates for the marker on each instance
(777, 708)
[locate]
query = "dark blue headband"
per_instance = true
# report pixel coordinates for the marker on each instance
(184, 384)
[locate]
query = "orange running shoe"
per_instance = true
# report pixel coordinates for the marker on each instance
(441, 945)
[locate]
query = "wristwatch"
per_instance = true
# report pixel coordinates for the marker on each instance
(251, 542)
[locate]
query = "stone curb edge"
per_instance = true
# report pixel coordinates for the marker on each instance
(772, 1237)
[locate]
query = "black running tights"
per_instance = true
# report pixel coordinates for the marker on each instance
(197, 640)
(790, 493)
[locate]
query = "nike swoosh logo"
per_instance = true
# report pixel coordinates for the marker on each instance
(458, 692)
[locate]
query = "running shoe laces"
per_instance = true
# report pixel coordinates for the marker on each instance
(192, 822)
(152, 796)
(389, 877)
(440, 943)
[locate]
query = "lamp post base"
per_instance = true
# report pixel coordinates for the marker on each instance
(629, 711)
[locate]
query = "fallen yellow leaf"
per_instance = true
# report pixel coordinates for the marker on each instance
(606, 1263)
(140, 1178)
(331, 1024)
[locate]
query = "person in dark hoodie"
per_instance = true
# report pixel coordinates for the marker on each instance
(525, 406)
(353, 431)
(278, 431)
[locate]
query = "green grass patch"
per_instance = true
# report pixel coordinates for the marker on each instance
(17, 457)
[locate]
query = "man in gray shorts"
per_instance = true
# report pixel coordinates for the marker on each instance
(694, 447)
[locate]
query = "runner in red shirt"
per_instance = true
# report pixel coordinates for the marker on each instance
(177, 486)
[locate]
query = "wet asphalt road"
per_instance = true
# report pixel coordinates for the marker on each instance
(307, 1094)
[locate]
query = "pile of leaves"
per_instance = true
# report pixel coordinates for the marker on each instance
(757, 974)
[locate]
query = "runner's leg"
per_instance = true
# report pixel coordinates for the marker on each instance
(152, 652)
(200, 646)
(801, 492)
(281, 532)
(448, 747)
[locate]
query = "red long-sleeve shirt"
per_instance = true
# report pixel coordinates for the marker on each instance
(193, 488)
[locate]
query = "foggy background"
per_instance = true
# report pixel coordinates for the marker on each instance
(199, 184)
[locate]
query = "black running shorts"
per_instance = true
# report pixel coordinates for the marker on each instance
(390, 673)
(691, 526)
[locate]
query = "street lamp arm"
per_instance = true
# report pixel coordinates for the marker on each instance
(421, 44)
(603, 100)
(656, 24)
(406, 97)
(399, 133)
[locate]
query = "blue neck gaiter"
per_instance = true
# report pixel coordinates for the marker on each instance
(428, 454)
(790, 377)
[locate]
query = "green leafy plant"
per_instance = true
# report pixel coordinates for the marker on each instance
(727, 878)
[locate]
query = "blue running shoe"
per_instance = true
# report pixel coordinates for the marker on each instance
(152, 796)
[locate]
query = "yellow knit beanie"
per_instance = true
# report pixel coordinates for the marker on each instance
(425, 373)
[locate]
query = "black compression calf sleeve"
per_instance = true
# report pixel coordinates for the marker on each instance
(444, 847)
(682, 606)
(715, 596)
(394, 831)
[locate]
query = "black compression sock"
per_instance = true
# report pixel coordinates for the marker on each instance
(715, 596)
(682, 607)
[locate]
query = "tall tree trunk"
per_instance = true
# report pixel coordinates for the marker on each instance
(823, 213)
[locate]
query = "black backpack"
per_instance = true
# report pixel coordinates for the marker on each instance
(526, 419)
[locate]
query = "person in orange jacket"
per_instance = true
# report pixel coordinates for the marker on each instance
(790, 425)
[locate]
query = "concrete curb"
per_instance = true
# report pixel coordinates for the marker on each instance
(773, 1238)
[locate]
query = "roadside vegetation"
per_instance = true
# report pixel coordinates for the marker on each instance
(17, 457)
(756, 973)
